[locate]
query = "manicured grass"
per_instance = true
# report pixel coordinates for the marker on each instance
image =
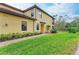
(60, 43)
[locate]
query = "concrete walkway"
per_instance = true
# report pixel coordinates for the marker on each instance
(77, 51)
(18, 40)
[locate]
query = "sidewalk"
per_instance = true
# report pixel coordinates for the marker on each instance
(18, 40)
(77, 51)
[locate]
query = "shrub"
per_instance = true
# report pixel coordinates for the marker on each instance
(72, 30)
(30, 34)
(35, 33)
(4, 37)
(8, 36)
(18, 35)
(24, 34)
(54, 30)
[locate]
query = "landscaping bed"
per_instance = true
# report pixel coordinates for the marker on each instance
(4, 37)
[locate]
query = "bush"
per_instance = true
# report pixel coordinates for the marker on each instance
(4, 37)
(72, 30)
(36, 33)
(18, 35)
(54, 30)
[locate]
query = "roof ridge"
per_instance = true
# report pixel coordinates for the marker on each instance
(36, 6)
(29, 8)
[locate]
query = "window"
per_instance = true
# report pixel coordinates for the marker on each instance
(40, 13)
(32, 13)
(37, 27)
(48, 27)
(24, 26)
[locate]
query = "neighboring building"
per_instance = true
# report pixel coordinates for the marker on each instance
(33, 19)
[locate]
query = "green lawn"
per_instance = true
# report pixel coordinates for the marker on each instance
(60, 43)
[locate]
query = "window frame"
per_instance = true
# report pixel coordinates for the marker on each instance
(37, 26)
(25, 26)
(40, 13)
(32, 12)
(47, 27)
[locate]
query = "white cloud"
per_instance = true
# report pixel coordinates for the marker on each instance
(21, 6)
(63, 9)
(60, 9)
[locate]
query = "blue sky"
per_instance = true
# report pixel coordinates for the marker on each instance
(62, 8)
(53, 8)
(71, 9)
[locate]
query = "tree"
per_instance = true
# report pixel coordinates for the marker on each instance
(60, 23)
(75, 23)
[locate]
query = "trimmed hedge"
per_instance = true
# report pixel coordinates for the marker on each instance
(4, 37)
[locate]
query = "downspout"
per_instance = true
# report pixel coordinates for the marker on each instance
(35, 13)
(34, 20)
(33, 26)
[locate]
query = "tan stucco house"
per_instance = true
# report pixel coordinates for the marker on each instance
(33, 19)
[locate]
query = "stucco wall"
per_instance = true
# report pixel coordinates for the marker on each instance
(28, 13)
(45, 18)
(35, 25)
(13, 24)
